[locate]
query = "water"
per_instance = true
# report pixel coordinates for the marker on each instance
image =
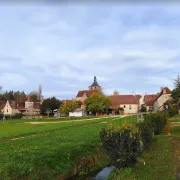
(104, 173)
(178, 176)
(101, 175)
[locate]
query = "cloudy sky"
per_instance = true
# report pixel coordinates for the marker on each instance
(129, 48)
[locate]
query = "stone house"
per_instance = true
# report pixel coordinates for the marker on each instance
(164, 95)
(126, 102)
(147, 101)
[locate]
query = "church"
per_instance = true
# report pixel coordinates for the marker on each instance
(126, 104)
(83, 94)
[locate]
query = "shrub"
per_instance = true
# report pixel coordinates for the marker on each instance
(17, 116)
(157, 121)
(122, 145)
(145, 131)
(173, 111)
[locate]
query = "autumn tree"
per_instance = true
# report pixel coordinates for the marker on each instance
(115, 93)
(97, 102)
(34, 97)
(69, 106)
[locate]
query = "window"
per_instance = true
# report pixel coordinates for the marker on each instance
(124, 106)
(130, 106)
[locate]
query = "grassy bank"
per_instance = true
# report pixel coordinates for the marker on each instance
(48, 155)
(160, 162)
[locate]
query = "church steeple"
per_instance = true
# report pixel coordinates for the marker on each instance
(95, 85)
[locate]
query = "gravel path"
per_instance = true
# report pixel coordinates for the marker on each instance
(68, 121)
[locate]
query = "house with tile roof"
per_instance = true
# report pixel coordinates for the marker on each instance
(147, 101)
(128, 103)
(163, 97)
(14, 107)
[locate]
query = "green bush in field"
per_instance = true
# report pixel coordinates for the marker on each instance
(157, 121)
(122, 145)
(146, 133)
(173, 111)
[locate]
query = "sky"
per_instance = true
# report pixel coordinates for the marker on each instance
(132, 49)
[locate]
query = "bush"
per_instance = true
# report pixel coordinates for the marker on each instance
(157, 121)
(15, 116)
(173, 111)
(122, 145)
(146, 133)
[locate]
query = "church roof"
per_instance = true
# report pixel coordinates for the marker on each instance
(95, 83)
(87, 92)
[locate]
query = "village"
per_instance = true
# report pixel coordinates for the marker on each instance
(119, 104)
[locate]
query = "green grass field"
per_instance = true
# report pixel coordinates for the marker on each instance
(53, 150)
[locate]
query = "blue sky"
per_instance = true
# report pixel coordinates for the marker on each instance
(129, 48)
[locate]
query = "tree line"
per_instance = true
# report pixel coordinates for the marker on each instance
(34, 96)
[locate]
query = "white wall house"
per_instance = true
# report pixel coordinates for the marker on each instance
(127, 102)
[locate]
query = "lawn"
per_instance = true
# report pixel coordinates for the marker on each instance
(48, 155)
(16, 128)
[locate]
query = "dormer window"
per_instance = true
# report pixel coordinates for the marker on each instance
(164, 91)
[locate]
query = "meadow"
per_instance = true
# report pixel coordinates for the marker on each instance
(48, 150)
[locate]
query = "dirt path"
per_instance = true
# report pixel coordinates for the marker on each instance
(68, 121)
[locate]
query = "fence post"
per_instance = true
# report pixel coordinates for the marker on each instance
(168, 127)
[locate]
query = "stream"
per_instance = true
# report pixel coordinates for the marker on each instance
(101, 175)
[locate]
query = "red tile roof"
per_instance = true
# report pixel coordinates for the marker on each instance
(167, 91)
(87, 92)
(2, 104)
(118, 100)
(149, 99)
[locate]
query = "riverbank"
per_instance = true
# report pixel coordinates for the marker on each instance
(161, 161)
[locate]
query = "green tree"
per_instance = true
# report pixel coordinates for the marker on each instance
(97, 102)
(177, 82)
(50, 104)
(34, 97)
(175, 94)
(70, 106)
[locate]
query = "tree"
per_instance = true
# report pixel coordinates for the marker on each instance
(175, 94)
(40, 93)
(34, 97)
(50, 104)
(177, 82)
(19, 96)
(115, 93)
(97, 102)
(70, 106)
